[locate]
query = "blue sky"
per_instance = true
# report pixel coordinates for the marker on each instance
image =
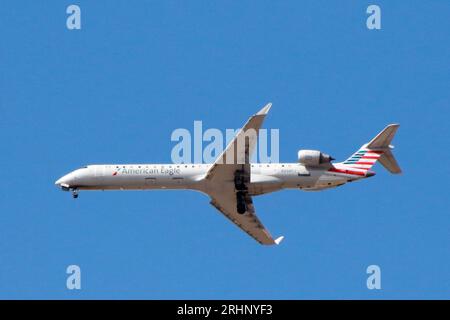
(114, 91)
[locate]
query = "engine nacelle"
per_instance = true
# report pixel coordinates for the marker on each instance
(313, 158)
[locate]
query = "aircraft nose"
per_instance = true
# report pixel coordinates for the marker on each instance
(65, 181)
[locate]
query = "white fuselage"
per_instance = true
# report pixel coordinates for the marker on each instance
(265, 177)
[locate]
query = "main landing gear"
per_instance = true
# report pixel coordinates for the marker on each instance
(241, 188)
(241, 205)
(74, 194)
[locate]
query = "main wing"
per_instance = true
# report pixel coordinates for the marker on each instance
(236, 158)
(225, 202)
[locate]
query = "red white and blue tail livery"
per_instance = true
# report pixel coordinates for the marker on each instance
(378, 149)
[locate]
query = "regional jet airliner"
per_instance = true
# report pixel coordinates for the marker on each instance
(232, 181)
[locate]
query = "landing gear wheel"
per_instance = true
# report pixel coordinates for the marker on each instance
(241, 208)
(239, 181)
(241, 205)
(74, 194)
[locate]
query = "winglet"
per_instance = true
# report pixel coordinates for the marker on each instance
(279, 239)
(264, 110)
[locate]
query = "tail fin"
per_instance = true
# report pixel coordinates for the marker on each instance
(379, 148)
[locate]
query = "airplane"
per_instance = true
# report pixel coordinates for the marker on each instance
(232, 180)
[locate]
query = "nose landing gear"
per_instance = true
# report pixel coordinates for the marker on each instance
(74, 194)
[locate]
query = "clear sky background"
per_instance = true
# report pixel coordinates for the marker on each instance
(114, 91)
